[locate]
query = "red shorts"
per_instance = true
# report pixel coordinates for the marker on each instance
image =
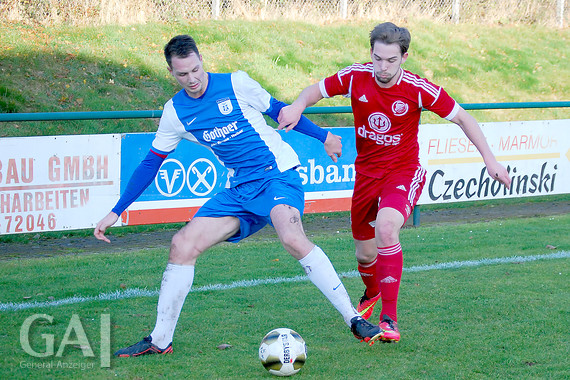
(396, 189)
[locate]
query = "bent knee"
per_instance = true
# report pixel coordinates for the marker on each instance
(298, 245)
(387, 233)
(182, 250)
(296, 242)
(366, 256)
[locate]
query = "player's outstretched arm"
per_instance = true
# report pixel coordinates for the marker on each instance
(332, 143)
(289, 116)
(472, 130)
(498, 171)
(103, 224)
(142, 177)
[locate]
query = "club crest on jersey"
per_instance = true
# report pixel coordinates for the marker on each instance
(399, 108)
(379, 122)
(225, 106)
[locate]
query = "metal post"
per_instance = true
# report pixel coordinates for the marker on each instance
(215, 9)
(344, 9)
(455, 11)
(416, 216)
(560, 13)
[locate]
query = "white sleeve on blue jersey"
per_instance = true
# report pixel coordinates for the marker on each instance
(258, 98)
(170, 130)
(253, 101)
(247, 88)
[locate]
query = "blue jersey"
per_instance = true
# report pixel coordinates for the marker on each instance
(228, 120)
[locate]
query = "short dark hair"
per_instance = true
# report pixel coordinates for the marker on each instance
(180, 46)
(389, 33)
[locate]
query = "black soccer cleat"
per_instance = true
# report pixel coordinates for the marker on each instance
(365, 331)
(144, 347)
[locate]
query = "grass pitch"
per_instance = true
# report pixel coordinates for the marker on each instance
(500, 310)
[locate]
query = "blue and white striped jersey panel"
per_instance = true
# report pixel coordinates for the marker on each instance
(170, 130)
(228, 120)
(253, 100)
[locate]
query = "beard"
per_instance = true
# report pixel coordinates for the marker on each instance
(384, 79)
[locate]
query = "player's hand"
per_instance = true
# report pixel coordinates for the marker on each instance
(498, 172)
(103, 224)
(333, 146)
(289, 117)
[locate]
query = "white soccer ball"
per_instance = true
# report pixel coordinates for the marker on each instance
(282, 352)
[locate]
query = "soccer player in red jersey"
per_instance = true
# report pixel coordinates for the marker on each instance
(387, 102)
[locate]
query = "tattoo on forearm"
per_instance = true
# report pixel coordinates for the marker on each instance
(294, 220)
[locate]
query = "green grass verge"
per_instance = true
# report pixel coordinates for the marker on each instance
(69, 68)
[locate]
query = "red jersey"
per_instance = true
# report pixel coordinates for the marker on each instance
(386, 120)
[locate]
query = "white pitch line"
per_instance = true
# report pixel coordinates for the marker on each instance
(137, 292)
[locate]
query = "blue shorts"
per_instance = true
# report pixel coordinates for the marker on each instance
(252, 202)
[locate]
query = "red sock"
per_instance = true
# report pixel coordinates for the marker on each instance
(369, 274)
(390, 264)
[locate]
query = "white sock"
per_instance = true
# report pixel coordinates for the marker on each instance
(176, 283)
(321, 272)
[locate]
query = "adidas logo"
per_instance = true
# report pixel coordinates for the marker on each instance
(401, 187)
(363, 99)
(388, 280)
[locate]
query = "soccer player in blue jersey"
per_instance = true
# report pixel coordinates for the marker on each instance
(224, 112)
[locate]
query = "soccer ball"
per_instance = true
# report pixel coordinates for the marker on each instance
(282, 352)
